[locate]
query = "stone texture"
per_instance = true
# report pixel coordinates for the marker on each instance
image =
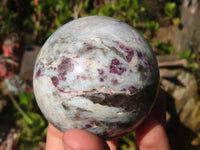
(182, 86)
(187, 36)
(98, 74)
(183, 126)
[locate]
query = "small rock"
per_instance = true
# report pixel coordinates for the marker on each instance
(182, 86)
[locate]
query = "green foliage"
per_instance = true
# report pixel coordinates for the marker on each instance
(151, 25)
(32, 124)
(32, 127)
(162, 48)
(49, 15)
(126, 10)
(107, 10)
(131, 11)
(42, 19)
(127, 142)
(25, 99)
(190, 57)
(34, 130)
(170, 9)
(28, 146)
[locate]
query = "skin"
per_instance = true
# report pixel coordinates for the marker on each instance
(150, 135)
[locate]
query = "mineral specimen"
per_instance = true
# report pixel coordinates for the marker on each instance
(98, 74)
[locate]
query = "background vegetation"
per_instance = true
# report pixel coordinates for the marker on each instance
(35, 20)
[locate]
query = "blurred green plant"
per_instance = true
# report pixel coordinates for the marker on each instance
(32, 127)
(127, 142)
(162, 48)
(190, 57)
(126, 10)
(151, 25)
(47, 16)
(41, 18)
(170, 9)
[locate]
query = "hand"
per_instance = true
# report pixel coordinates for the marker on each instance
(150, 135)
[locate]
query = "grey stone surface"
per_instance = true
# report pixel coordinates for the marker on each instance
(98, 74)
(187, 36)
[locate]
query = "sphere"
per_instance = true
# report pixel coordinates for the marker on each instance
(98, 74)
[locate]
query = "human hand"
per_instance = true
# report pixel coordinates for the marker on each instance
(150, 135)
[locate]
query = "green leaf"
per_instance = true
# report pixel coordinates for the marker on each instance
(188, 55)
(28, 146)
(163, 48)
(128, 141)
(34, 131)
(107, 10)
(170, 9)
(152, 26)
(25, 99)
(176, 21)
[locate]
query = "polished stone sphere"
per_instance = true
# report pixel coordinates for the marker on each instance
(98, 74)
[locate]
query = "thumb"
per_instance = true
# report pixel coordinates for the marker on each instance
(77, 139)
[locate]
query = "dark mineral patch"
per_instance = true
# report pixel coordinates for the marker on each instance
(122, 46)
(65, 66)
(132, 102)
(130, 54)
(115, 62)
(116, 100)
(100, 71)
(55, 81)
(116, 67)
(101, 79)
(115, 81)
(132, 90)
(38, 73)
(65, 106)
(139, 54)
